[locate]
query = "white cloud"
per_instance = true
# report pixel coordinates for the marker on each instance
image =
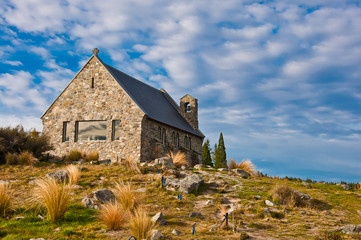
(13, 63)
(42, 52)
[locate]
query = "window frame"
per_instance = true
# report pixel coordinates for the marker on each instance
(76, 137)
(66, 136)
(113, 129)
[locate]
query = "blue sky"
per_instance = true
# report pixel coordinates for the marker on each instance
(280, 79)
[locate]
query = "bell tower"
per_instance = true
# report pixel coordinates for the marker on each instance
(189, 110)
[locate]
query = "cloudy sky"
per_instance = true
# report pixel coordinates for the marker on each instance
(281, 79)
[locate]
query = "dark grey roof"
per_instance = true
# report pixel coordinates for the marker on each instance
(153, 102)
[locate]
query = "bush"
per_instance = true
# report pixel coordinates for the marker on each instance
(140, 225)
(92, 156)
(55, 197)
(74, 155)
(5, 199)
(27, 158)
(16, 140)
(11, 158)
(112, 215)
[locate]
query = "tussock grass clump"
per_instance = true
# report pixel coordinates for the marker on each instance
(74, 174)
(131, 165)
(92, 156)
(112, 215)
(27, 158)
(329, 236)
(11, 158)
(126, 197)
(245, 165)
(55, 197)
(5, 199)
(140, 224)
(74, 155)
(179, 158)
(284, 195)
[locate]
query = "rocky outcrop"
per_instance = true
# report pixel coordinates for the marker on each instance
(186, 185)
(61, 175)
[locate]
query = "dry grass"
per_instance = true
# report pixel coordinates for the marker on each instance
(55, 197)
(11, 158)
(179, 158)
(245, 165)
(74, 155)
(92, 156)
(284, 195)
(5, 199)
(112, 215)
(27, 158)
(126, 197)
(140, 224)
(74, 174)
(131, 165)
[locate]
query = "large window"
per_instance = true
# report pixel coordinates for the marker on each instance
(66, 131)
(91, 130)
(116, 130)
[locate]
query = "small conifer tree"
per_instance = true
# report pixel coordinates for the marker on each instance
(206, 153)
(220, 158)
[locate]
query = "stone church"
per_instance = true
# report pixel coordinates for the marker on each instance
(106, 110)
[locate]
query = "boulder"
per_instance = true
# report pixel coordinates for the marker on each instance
(257, 197)
(345, 186)
(222, 169)
(209, 202)
(351, 229)
(306, 184)
(166, 162)
(104, 195)
(185, 185)
(105, 162)
(195, 214)
(156, 234)
(158, 218)
(241, 172)
(61, 175)
(198, 166)
(176, 232)
(90, 203)
(270, 204)
(302, 196)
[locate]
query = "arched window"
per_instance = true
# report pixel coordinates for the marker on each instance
(173, 138)
(190, 143)
(177, 141)
(187, 107)
(186, 142)
(164, 136)
(159, 133)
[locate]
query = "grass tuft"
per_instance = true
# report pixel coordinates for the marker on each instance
(5, 199)
(179, 158)
(112, 215)
(245, 165)
(329, 236)
(27, 158)
(74, 174)
(92, 156)
(126, 197)
(11, 158)
(131, 165)
(74, 155)
(140, 224)
(55, 197)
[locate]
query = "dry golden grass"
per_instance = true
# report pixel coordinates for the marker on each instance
(92, 156)
(74, 174)
(179, 158)
(54, 196)
(27, 158)
(284, 195)
(140, 224)
(5, 199)
(126, 197)
(112, 215)
(245, 165)
(74, 155)
(131, 165)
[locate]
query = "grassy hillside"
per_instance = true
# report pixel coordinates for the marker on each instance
(334, 208)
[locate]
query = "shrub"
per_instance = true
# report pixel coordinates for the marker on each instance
(74, 155)
(126, 197)
(55, 197)
(140, 225)
(284, 195)
(5, 198)
(179, 158)
(92, 156)
(11, 158)
(27, 158)
(245, 165)
(74, 174)
(131, 165)
(112, 215)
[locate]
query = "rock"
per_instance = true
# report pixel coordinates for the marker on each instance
(176, 232)
(18, 218)
(209, 202)
(195, 214)
(346, 187)
(269, 203)
(90, 203)
(222, 169)
(306, 184)
(94, 162)
(302, 195)
(241, 172)
(61, 175)
(183, 168)
(351, 229)
(156, 234)
(257, 197)
(37, 239)
(185, 185)
(198, 166)
(158, 218)
(166, 162)
(41, 217)
(104, 195)
(213, 229)
(105, 162)
(225, 201)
